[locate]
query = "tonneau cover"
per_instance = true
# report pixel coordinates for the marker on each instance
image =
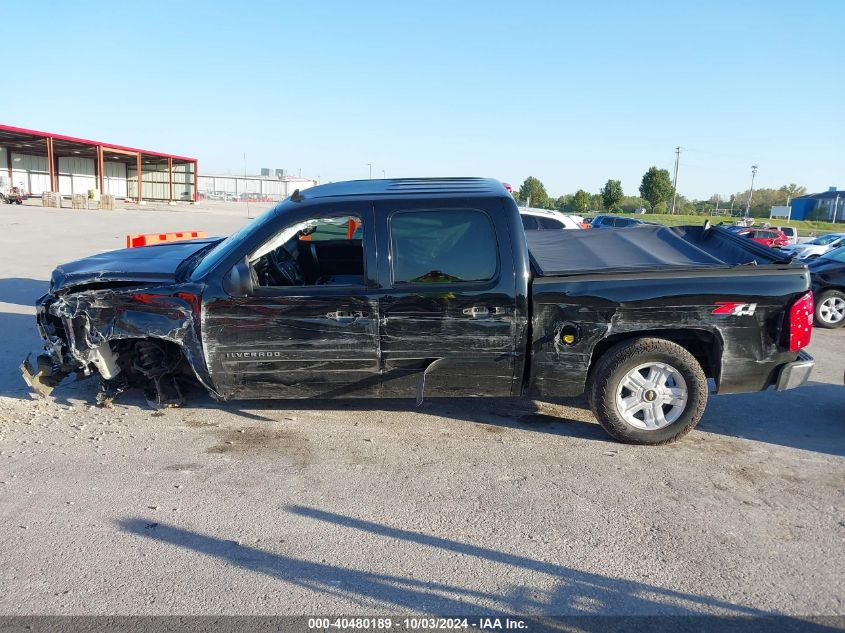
(646, 247)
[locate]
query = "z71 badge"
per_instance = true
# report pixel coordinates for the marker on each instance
(737, 309)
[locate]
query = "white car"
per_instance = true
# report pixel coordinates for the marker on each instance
(816, 247)
(791, 233)
(546, 220)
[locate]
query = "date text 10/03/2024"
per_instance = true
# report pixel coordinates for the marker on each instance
(421, 623)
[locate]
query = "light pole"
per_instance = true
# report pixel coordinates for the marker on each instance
(675, 181)
(370, 165)
(750, 191)
(384, 174)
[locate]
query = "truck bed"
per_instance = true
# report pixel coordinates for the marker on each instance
(647, 247)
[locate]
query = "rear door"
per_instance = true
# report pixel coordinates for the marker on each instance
(448, 298)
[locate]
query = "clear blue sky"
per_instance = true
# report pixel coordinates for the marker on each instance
(572, 93)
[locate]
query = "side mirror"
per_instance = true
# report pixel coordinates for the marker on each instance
(238, 281)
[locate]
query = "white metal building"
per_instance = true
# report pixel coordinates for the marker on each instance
(266, 188)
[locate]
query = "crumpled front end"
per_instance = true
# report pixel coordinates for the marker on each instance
(122, 334)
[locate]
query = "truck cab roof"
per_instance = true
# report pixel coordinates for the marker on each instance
(401, 187)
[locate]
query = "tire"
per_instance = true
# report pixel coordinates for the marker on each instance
(671, 391)
(830, 309)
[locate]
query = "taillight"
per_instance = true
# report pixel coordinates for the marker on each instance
(801, 322)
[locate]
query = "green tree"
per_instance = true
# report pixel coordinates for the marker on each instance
(656, 187)
(764, 199)
(563, 202)
(792, 191)
(533, 192)
(632, 203)
(611, 194)
(581, 201)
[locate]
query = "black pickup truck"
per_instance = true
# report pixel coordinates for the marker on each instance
(398, 288)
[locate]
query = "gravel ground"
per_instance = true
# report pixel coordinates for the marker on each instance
(377, 507)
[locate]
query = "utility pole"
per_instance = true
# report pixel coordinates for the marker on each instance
(384, 174)
(675, 183)
(370, 165)
(750, 191)
(835, 207)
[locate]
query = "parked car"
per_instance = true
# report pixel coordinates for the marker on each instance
(546, 220)
(615, 221)
(767, 237)
(790, 232)
(442, 293)
(816, 247)
(827, 273)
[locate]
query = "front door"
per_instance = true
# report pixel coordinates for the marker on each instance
(309, 328)
(447, 306)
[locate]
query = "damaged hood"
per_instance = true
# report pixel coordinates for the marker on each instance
(146, 265)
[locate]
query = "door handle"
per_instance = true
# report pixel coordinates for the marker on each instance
(345, 315)
(476, 311)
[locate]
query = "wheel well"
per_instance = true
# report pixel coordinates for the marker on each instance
(826, 288)
(170, 356)
(704, 345)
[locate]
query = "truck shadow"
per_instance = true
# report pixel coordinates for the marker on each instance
(809, 418)
(20, 336)
(513, 413)
(573, 592)
(18, 330)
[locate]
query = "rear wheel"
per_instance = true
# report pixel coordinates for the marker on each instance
(648, 391)
(830, 309)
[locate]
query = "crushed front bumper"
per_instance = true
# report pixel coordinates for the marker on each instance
(796, 373)
(42, 375)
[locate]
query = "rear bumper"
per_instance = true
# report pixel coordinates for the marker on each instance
(796, 373)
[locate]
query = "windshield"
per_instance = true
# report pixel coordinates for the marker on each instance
(826, 239)
(836, 255)
(227, 246)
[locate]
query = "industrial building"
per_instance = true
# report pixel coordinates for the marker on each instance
(41, 162)
(828, 206)
(263, 188)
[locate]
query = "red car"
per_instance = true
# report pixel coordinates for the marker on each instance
(773, 238)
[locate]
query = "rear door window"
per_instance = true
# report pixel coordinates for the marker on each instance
(549, 224)
(529, 222)
(442, 247)
(607, 221)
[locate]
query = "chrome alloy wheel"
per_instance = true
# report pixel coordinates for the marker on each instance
(832, 310)
(652, 396)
